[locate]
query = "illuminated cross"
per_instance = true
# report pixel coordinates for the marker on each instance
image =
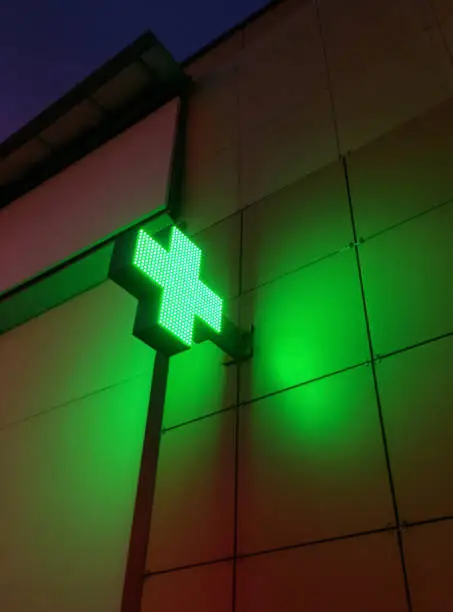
(177, 271)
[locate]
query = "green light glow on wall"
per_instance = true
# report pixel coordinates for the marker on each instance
(177, 272)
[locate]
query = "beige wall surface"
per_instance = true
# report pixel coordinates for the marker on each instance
(317, 476)
(116, 185)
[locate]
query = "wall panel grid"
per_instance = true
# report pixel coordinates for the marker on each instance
(286, 96)
(334, 434)
(406, 278)
(362, 572)
(310, 473)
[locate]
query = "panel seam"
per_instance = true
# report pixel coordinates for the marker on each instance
(399, 525)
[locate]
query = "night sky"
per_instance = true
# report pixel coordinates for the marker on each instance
(47, 46)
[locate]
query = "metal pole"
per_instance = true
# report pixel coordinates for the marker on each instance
(138, 543)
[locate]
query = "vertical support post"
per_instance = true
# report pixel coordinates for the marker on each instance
(138, 543)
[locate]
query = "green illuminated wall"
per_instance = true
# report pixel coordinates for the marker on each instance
(76, 385)
(324, 204)
(317, 476)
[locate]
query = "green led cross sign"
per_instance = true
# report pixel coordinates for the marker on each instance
(177, 272)
(161, 268)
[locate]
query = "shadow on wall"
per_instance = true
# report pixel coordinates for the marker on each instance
(198, 384)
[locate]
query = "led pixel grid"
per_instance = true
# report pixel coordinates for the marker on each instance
(184, 295)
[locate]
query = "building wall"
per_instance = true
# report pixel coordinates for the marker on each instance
(317, 476)
(75, 390)
(123, 181)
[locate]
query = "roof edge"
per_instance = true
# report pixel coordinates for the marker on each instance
(78, 93)
(107, 70)
(210, 46)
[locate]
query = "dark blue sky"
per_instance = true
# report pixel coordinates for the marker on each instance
(47, 46)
